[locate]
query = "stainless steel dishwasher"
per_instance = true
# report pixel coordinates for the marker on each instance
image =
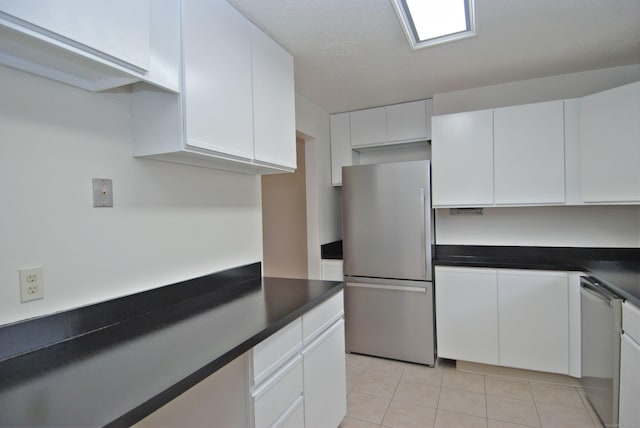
(601, 328)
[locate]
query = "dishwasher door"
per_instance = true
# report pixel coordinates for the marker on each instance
(601, 328)
(390, 319)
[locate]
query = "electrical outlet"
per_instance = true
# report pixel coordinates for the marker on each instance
(31, 283)
(102, 192)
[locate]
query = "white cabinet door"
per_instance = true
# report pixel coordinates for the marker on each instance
(368, 127)
(218, 99)
(462, 159)
(610, 145)
(325, 387)
(528, 148)
(629, 414)
(533, 320)
(332, 270)
(407, 122)
(274, 123)
(341, 154)
(467, 314)
(110, 28)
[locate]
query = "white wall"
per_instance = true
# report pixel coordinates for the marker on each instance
(535, 90)
(323, 200)
(169, 222)
(616, 226)
(598, 226)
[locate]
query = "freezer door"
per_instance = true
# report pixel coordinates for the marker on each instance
(391, 320)
(386, 219)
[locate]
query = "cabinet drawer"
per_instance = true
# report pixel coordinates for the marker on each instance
(631, 321)
(273, 352)
(293, 417)
(321, 317)
(273, 398)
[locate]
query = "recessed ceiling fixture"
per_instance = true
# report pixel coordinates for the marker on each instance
(431, 22)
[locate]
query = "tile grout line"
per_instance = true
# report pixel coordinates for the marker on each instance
(535, 404)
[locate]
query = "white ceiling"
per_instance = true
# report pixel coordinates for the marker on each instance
(352, 54)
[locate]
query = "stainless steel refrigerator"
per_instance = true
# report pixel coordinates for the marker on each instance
(386, 219)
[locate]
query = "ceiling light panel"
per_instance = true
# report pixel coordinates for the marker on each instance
(431, 22)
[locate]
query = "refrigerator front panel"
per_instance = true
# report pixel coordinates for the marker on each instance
(386, 220)
(391, 320)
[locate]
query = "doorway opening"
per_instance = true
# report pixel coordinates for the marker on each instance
(284, 221)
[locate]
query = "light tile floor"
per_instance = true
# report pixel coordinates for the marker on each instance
(385, 393)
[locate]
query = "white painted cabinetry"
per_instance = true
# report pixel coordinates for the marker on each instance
(390, 128)
(610, 145)
(332, 270)
(368, 127)
(392, 124)
(629, 414)
(462, 159)
(341, 153)
(93, 45)
(533, 320)
(407, 121)
(324, 364)
(505, 156)
(515, 318)
(274, 116)
(467, 314)
(528, 144)
(236, 113)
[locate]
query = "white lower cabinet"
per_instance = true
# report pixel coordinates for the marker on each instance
(514, 318)
(629, 411)
(325, 385)
(280, 383)
(276, 395)
(299, 373)
(533, 320)
(467, 314)
(332, 270)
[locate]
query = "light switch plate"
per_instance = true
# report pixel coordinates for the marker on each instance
(102, 192)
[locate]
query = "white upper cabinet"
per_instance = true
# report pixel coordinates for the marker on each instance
(407, 122)
(274, 124)
(506, 156)
(528, 144)
(94, 45)
(393, 124)
(235, 110)
(610, 145)
(217, 95)
(462, 159)
(341, 153)
(368, 127)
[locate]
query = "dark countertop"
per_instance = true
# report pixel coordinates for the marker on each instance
(119, 374)
(331, 251)
(616, 268)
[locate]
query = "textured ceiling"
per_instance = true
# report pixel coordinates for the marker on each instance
(352, 54)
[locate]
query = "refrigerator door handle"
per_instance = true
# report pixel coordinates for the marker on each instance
(423, 236)
(387, 287)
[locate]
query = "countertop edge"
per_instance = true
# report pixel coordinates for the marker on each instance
(161, 399)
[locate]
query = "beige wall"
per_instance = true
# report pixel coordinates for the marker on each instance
(284, 221)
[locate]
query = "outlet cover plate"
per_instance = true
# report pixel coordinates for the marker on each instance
(102, 193)
(31, 283)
